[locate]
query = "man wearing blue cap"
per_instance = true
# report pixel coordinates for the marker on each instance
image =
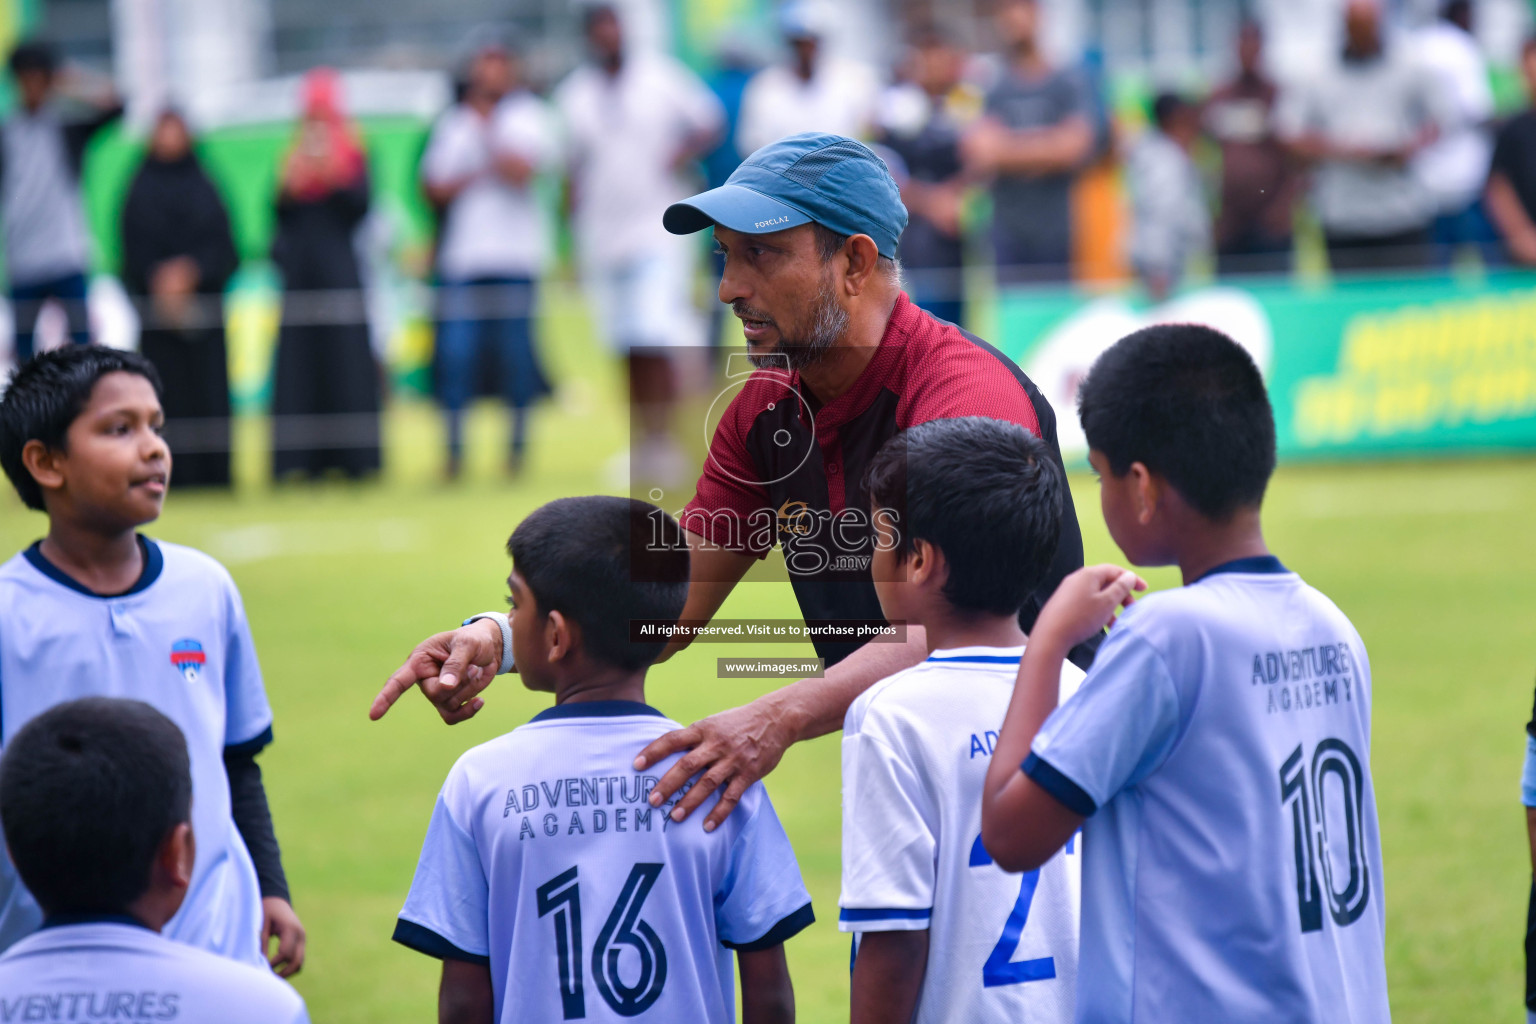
(808, 227)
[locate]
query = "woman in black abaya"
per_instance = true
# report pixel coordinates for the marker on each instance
(178, 256)
(326, 389)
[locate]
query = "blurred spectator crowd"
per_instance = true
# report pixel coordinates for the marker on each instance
(1394, 159)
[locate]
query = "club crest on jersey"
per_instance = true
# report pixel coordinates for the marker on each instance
(188, 657)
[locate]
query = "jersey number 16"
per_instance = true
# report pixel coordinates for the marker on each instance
(561, 896)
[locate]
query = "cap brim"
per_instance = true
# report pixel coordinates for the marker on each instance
(732, 206)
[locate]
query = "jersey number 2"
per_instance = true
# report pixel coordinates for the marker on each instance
(1001, 968)
(561, 896)
(1312, 841)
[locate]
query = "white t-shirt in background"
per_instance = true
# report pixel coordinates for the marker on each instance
(1454, 168)
(916, 746)
(839, 98)
(493, 228)
(623, 133)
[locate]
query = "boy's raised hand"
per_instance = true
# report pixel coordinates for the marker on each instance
(1086, 602)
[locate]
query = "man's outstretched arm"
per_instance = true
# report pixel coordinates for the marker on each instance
(453, 667)
(736, 748)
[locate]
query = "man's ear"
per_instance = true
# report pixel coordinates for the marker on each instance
(561, 636)
(42, 462)
(863, 258)
(1146, 492)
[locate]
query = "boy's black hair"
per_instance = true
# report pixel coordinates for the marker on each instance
(602, 561)
(984, 492)
(34, 55)
(1167, 106)
(45, 396)
(89, 790)
(593, 13)
(1188, 403)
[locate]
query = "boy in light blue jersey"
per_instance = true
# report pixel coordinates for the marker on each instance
(1219, 748)
(96, 799)
(548, 885)
(944, 936)
(97, 609)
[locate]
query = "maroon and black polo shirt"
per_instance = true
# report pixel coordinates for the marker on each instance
(783, 469)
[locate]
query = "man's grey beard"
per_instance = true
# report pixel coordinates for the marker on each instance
(828, 323)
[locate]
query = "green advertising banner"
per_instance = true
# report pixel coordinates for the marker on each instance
(1374, 367)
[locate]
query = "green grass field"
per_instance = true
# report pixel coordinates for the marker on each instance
(1433, 561)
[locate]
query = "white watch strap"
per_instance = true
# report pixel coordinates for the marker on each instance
(501, 620)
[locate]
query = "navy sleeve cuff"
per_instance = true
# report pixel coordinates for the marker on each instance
(1066, 792)
(787, 928)
(250, 747)
(853, 914)
(425, 940)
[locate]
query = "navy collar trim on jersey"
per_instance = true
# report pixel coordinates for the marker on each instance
(980, 659)
(66, 920)
(1268, 564)
(154, 563)
(596, 709)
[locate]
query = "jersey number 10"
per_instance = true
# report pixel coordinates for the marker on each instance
(561, 896)
(1308, 795)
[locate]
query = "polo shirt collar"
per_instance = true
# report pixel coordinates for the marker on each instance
(832, 415)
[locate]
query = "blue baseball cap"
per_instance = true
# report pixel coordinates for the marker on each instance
(833, 180)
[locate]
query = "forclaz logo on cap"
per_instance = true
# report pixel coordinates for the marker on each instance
(188, 657)
(770, 223)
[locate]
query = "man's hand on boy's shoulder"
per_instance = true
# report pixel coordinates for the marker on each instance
(732, 748)
(451, 668)
(1085, 603)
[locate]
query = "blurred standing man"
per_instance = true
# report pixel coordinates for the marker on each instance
(479, 167)
(1258, 181)
(1361, 124)
(1037, 134)
(1169, 219)
(1511, 193)
(634, 122)
(178, 256)
(811, 93)
(1454, 168)
(735, 66)
(922, 122)
(47, 245)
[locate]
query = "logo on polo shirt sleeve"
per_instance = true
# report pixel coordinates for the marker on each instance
(189, 659)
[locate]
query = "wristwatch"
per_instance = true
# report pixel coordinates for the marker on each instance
(500, 618)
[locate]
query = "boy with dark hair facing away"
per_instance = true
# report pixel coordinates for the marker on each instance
(1219, 748)
(548, 885)
(95, 797)
(971, 510)
(97, 609)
